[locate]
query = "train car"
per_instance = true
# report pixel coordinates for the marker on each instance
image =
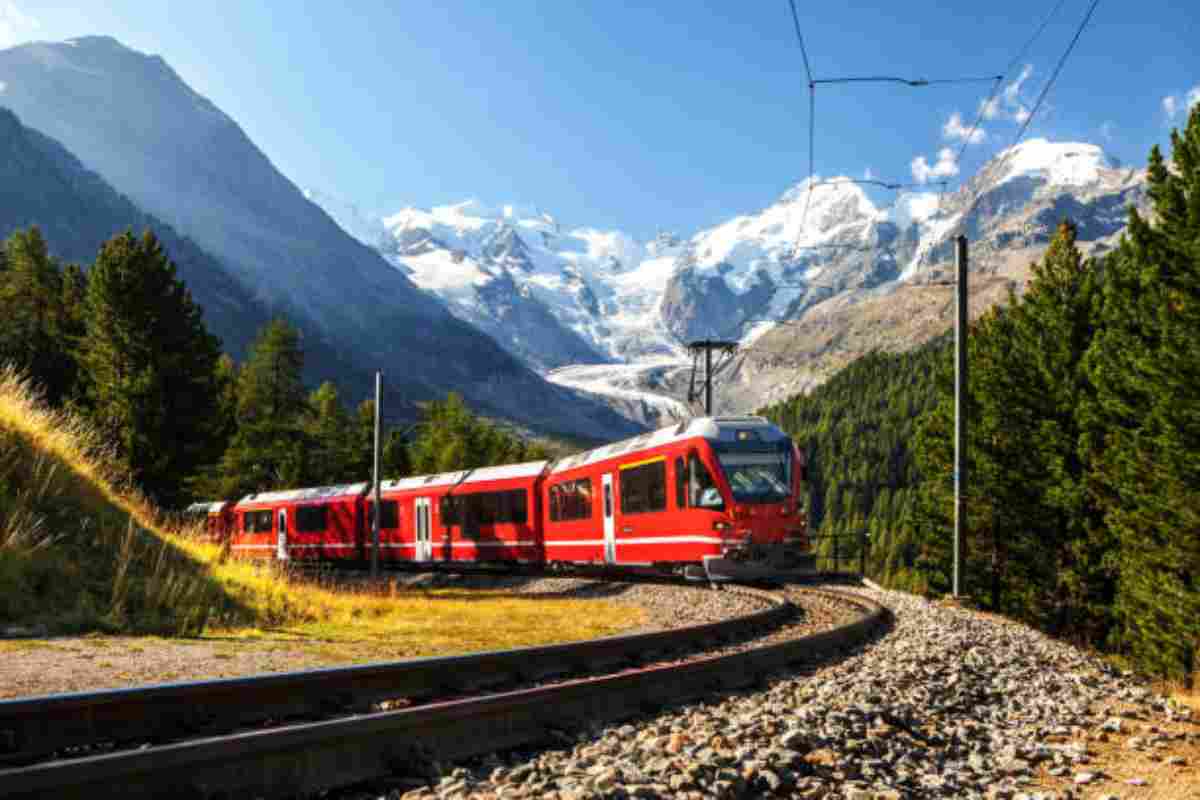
(319, 523)
(217, 516)
(710, 497)
(489, 514)
(715, 498)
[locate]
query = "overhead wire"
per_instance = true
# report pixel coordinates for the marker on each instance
(906, 81)
(1042, 95)
(997, 82)
(812, 109)
(1001, 77)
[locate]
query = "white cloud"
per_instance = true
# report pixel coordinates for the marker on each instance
(945, 167)
(3, 86)
(15, 25)
(1174, 104)
(955, 129)
(1012, 92)
(1009, 104)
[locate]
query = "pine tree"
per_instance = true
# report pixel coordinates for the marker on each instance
(270, 385)
(34, 327)
(332, 438)
(272, 448)
(150, 364)
(1142, 426)
(1055, 322)
(73, 327)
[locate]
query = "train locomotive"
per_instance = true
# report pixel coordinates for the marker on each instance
(714, 498)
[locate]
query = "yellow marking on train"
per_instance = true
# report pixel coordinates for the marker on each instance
(643, 463)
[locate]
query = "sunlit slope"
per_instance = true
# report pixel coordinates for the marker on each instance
(81, 552)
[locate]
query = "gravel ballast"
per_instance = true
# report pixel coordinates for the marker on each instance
(950, 703)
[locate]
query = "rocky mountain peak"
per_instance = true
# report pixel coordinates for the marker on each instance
(822, 242)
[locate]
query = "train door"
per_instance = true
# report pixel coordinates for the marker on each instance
(610, 540)
(424, 550)
(281, 544)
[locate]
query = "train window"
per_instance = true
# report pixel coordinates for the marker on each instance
(699, 480)
(681, 482)
(571, 500)
(448, 509)
(257, 521)
(390, 518)
(485, 508)
(644, 487)
(311, 519)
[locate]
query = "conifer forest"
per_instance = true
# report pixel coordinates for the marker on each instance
(1083, 449)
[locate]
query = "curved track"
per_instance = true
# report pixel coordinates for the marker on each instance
(258, 735)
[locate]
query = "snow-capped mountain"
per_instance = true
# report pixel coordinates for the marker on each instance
(1008, 211)
(553, 294)
(601, 312)
(132, 120)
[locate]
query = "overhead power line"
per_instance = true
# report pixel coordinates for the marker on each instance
(812, 109)
(871, 182)
(1000, 79)
(997, 83)
(1042, 95)
(1029, 42)
(906, 81)
(800, 38)
(1057, 69)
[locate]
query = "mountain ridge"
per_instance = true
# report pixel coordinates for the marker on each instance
(751, 278)
(131, 119)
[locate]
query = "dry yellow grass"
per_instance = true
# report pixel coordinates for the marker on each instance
(82, 550)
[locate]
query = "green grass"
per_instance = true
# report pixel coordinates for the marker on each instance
(81, 551)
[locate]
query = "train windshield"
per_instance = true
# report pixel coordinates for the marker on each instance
(758, 475)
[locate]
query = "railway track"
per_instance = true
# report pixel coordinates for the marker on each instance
(298, 733)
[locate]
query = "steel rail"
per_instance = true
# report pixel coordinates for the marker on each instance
(37, 727)
(306, 758)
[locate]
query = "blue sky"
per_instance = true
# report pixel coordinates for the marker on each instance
(677, 116)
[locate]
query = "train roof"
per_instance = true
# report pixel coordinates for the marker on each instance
(715, 428)
(213, 507)
(529, 469)
(312, 493)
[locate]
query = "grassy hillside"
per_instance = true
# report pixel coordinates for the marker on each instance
(80, 551)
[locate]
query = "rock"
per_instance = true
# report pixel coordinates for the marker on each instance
(1082, 778)
(794, 739)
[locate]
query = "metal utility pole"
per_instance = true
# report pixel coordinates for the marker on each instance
(376, 479)
(708, 381)
(707, 346)
(960, 403)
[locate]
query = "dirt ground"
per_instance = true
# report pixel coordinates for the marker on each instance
(87, 663)
(1150, 759)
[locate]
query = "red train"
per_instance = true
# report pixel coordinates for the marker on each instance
(709, 497)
